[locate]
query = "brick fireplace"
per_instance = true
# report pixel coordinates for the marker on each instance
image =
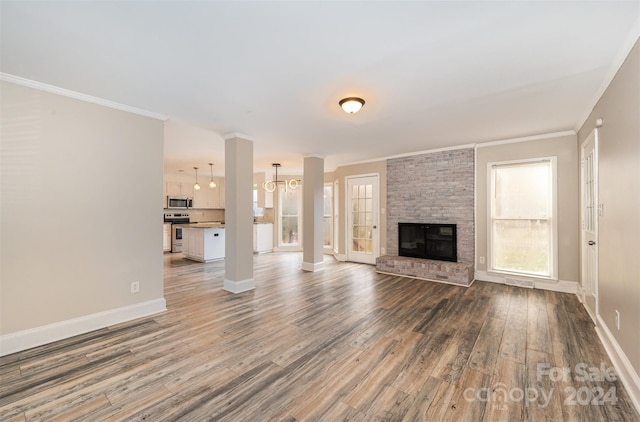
(434, 187)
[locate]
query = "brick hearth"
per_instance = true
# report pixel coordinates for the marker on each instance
(427, 269)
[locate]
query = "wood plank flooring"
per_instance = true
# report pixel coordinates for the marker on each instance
(344, 343)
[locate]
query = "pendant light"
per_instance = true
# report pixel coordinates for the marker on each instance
(212, 184)
(196, 186)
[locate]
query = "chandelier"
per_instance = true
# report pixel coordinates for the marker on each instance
(271, 185)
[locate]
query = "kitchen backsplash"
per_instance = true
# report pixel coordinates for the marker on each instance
(197, 216)
(267, 216)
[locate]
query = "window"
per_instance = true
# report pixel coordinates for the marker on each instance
(523, 229)
(289, 214)
(257, 211)
(327, 218)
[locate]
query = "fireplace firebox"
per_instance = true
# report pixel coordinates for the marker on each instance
(429, 241)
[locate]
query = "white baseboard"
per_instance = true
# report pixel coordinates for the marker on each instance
(624, 369)
(312, 266)
(562, 286)
(239, 286)
(33, 337)
(579, 293)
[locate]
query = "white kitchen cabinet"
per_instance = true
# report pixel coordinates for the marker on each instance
(193, 244)
(176, 188)
(265, 199)
(203, 244)
(262, 237)
(166, 237)
(220, 198)
(209, 198)
(204, 198)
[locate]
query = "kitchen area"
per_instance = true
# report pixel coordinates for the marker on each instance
(194, 215)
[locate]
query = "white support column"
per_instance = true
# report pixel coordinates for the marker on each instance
(238, 217)
(312, 213)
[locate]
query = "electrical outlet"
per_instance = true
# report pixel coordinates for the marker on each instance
(617, 319)
(482, 259)
(135, 287)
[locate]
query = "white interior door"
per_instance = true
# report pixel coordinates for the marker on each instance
(589, 246)
(362, 219)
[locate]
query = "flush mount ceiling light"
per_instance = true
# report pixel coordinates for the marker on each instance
(196, 186)
(212, 184)
(351, 104)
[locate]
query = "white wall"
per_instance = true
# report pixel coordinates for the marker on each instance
(81, 204)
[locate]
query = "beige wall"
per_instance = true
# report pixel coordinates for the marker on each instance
(565, 149)
(619, 182)
(377, 167)
(80, 208)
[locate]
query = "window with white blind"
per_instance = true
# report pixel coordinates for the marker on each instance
(523, 217)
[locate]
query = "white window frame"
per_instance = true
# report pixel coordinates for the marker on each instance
(336, 216)
(328, 248)
(553, 253)
(257, 211)
(287, 247)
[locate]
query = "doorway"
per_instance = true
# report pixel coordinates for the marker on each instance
(589, 205)
(363, 197)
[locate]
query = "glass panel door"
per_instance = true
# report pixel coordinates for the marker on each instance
(362, 220)
(589, 246)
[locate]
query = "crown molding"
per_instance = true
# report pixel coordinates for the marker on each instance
(527, 138)
(430, 151)
(408, 154)
(233, 135)
(616, 64)
(79, 96)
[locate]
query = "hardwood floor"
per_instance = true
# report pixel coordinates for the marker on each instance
(344, 343)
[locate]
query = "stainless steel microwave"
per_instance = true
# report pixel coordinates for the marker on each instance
(179, 202)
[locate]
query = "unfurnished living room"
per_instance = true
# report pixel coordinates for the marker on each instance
(319, 211)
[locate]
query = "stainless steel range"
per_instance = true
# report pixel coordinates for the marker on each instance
(177, 220)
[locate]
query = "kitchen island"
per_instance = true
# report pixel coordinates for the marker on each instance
(203, 242)
(262, 237)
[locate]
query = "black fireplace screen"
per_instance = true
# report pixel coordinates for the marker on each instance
(429, 241)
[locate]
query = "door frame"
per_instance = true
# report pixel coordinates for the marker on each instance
(593, 136)
(336, 217)
(376, 216)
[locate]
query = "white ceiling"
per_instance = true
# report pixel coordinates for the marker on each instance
(433, 74)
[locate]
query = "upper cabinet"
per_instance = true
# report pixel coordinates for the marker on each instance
(175, 188)
(207, 197)
(204, 198)
(265, 199)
